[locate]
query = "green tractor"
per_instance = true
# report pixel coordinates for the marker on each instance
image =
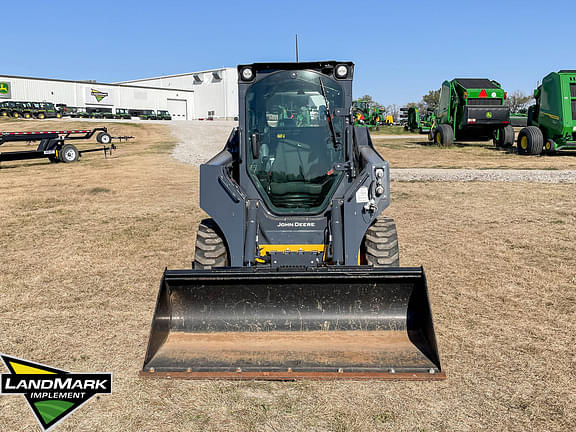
(6, 109)
(367, 113)
(415, 122)
(25, 110)
(164, 115)
(122, 114)
(472, 109)
(148, 115)
(42, 110)
(552, 120)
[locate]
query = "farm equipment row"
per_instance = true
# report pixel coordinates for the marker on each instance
(119, 114)
(54, 145)
(47, 110)
(473, 109)
(37, 110)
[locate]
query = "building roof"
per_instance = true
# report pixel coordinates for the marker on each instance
(95, 83)
(177, 75)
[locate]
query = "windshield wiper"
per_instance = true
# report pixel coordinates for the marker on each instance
(329, 116)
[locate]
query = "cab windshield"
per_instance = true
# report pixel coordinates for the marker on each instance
(287, 117)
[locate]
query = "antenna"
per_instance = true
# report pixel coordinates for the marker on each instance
(296, 47)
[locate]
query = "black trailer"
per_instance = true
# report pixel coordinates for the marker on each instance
(54, 144)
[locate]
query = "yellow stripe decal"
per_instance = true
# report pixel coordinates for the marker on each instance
(264, 249)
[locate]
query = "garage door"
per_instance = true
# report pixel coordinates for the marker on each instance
(178, 109)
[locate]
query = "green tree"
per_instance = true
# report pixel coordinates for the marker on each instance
(430, 101)
(366, 98)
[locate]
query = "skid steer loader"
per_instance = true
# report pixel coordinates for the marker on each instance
(296, 275)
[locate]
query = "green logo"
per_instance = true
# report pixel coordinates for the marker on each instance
(488, 114)
(99, 95)
(4, 88)
(52, 394)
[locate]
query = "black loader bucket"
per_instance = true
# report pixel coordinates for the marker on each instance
(326, 323)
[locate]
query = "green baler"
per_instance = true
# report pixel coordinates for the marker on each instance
(552, 120)
(472, 109)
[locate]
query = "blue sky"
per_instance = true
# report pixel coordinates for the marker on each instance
(401, 49)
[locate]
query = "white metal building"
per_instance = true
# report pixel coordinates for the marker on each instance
(215, 90)
(189, 96)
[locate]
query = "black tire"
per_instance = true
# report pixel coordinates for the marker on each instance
(549, 147)
(68, 153)
(504, 137)
(210, 247)
(443, 135)
(380, 245)
(103, 138)
(530, 141)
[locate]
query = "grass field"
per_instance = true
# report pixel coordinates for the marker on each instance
(84, 246)
(416, 152)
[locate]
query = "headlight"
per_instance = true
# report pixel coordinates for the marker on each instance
(247, 74)
(341, 71)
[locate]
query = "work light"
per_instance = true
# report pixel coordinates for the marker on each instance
(247, 74)
(341, 71)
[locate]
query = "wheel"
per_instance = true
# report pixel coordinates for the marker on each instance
(68, 153)
(380, 245)
(530, 141)
(41, 116)
(504, 137)
(15, 115)
(210, 247)
(443, 135)
(58, 115)
(549, 147)
(103, 138)
(27, 115)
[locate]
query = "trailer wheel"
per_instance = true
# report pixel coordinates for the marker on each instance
(69, 153)
(103, 138)
(530, 141)
(504, 137)
(380, 245)
(443, 135)
(210, 247)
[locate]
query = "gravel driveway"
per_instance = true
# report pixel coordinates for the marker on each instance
(200, 140)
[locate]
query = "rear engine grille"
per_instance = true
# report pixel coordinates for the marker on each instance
(485, 101)
(574, 110)
(573, 90)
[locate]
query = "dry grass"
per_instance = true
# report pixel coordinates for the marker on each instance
(84, 246)
(418, 153)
